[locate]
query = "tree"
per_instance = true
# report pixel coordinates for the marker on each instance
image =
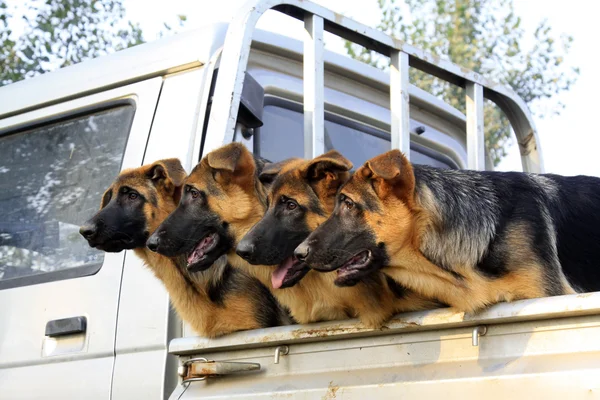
(59, 33)
(484, 36)
(66, 164)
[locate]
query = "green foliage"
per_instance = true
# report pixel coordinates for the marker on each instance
(59, 33)
(484, 36)
(181, 20)
(9, 60)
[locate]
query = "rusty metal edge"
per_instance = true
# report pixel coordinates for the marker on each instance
(518, 311)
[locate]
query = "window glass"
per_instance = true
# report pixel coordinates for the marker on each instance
(282, 136)
(52, 178)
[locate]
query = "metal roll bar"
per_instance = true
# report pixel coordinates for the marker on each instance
(318, 19)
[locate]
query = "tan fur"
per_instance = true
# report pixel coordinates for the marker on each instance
(188, 291)
(191, 301)
(401, 225)
(315, 297)
(229, 192)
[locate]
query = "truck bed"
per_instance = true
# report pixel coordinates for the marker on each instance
(545, 347)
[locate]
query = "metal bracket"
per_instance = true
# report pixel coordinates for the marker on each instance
(480, 330)
(280, 351)
(198, 369)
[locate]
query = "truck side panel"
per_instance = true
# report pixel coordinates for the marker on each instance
(45, 270)
(146, 320)
(543, 359)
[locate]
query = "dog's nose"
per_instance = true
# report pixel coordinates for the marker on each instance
(245, 249)
(302, 251)
(88, 231)
(153, 242)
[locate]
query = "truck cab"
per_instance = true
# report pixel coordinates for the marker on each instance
(79, 323)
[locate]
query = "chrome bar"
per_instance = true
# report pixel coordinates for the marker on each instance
(234, 61)
(280, 351)
(480, 330)
(475, 132)
(314, 86)
(399, 102)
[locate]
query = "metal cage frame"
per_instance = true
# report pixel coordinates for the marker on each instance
(317, 20)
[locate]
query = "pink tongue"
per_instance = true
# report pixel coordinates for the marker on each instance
(195, 256)
(198, 250)
(279, 274)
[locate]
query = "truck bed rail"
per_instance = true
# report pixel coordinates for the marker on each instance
(575, 305)
(318, 19)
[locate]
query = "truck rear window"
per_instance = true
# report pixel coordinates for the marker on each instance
(52, 177)
(282, 136)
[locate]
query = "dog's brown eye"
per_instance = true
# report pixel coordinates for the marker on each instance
(291, 205)
(348, 203)
(195, 194)
(133, 196)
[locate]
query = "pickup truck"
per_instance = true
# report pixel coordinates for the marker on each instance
(81, 324)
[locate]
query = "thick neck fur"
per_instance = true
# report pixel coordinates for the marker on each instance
(304, 300)
(455, 225)
(316, 298)
(188, 292)
(456, 217)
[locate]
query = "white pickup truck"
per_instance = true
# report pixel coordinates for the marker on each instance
(76, 323)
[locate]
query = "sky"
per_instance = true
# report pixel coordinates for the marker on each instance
(569, 141)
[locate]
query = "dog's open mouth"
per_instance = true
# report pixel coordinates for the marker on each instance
(200, 252)
(353, 269)
(288, 273)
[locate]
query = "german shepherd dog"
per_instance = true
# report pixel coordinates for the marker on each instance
(214, 302)
(223, 198)
(301, 196)
(469, 238)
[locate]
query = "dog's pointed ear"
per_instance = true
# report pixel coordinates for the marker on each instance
(331, 164)
(271, 170)
(232, 161)
(169, 169)
(326, 173)
(168, 174)
(390, 172)
(106, 198)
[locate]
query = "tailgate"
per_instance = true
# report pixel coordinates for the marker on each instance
(542, 347)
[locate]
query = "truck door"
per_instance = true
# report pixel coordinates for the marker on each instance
(58, 297)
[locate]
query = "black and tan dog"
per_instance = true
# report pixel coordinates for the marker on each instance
(223, 198)
(216, 301)
(469, 238)
(301, 197)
